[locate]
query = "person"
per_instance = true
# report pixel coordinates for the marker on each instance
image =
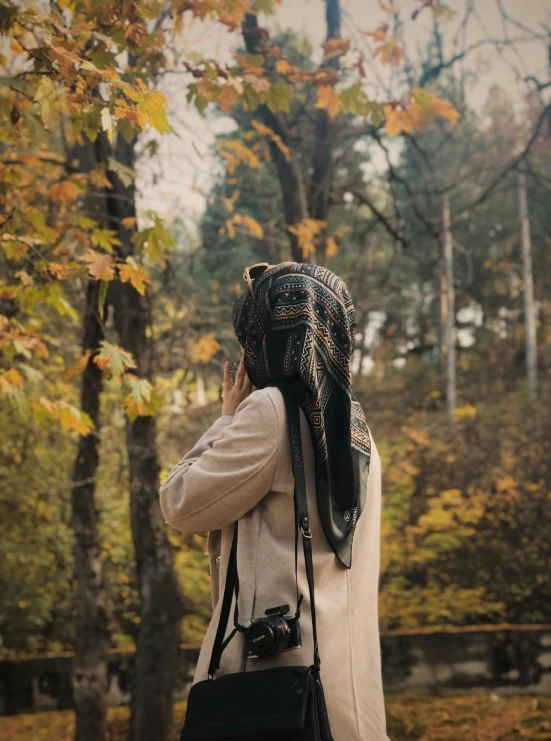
(295, 324)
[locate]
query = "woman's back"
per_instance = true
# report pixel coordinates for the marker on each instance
(241, 470)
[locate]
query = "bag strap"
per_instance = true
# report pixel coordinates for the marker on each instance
(301, 503)
(301, 521)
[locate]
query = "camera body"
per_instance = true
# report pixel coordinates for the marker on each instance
(279, 631)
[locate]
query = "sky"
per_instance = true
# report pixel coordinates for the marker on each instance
(176, 181)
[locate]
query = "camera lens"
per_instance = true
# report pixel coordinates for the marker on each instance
(267, 636)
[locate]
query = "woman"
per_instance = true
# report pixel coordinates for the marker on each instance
(296, 328)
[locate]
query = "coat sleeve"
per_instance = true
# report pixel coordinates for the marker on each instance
(227, 473)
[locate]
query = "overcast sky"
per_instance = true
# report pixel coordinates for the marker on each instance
(176, 181)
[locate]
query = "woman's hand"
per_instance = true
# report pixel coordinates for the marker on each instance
(234, 394)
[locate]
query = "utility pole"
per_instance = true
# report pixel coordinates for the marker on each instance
(528, 281)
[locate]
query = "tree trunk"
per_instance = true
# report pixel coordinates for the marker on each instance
(89, 677)
(449, 303)
(528, 280)
(322, 161)
(161, 607)
(293, 190)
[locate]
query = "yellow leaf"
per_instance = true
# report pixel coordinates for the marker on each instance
(419, 437)
(284, 67)
(277, 140)
(107, 123)
(114, 359)
(9, 379)
(204, 349)
(328, 98)
(72, 419)
(467, 411)
(253, 226)
(331, 248)
(306, 232)
(229, 95)
(100, 266)
(64, 192)
(78, 367)
(135, 274)
(129, 222)
(229, 203)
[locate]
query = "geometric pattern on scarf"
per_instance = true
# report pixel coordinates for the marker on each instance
(298, 333)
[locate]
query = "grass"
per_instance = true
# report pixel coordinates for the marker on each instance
(410, 718)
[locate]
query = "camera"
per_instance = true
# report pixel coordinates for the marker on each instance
(279, 631)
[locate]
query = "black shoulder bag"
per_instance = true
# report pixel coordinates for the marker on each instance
(286, 702)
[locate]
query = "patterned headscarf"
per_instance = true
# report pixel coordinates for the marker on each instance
(298, 332)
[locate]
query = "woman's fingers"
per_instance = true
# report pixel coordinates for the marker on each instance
(227, 378)
(241, 374)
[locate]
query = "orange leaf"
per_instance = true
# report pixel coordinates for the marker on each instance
(390, 51)
(135, 274)
(230, 94)
(417, 114)
(444, 108)
(78, 367)
(397, 121)
(284, 67)
(380, 33)
(335, 48)
(328, 99)
(65, 192)
(100, 266)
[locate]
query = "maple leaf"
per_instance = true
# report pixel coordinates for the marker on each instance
(389, 51)
(114, 359)
(327, 98)
(397, 120)
(231, 92)
(205, 348)
(335, 48)
(417, 115)
(136, 274)
(10, 379)
(64, 192)
(380, 33)
(140, 398)
(78, 367)
(258, 84)
(72, 418)
(100, 266)
(284, 67)
(444, 108)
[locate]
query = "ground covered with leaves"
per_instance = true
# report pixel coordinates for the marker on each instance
(410, 718)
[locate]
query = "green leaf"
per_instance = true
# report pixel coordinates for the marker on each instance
(91, 121)
(113, 359)
(8, 14)
(20, 85)
(125, 173)
(103, 286)
(140, 397)
(277, 98)
(154, 240)
(105, 238)
(351, 99)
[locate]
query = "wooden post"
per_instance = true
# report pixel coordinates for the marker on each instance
(528, 280)
(449, 303)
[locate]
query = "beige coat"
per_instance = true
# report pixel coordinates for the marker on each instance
(240, 469)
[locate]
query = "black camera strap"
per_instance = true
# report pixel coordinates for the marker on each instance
(302, 522)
